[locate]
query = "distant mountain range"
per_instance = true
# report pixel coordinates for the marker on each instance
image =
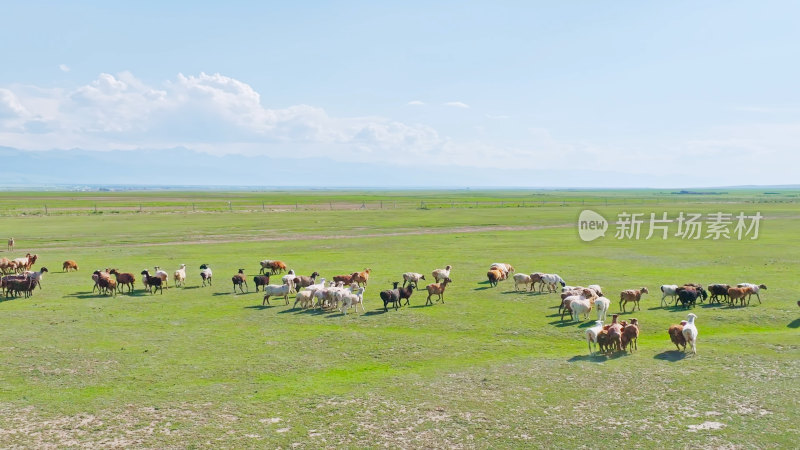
(188, 168)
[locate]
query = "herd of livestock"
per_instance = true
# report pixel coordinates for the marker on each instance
(346, 291)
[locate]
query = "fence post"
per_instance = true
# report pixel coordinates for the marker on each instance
(95, 208)
(295, 206)
(263, 208)
(230, 207)
(45, 210)
(381, 204)
(193, 210)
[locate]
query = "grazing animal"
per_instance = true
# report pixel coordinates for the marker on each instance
(391, 296)
(591, 334)
(738, 293)
(676, 335)
(179, 276)
(274, 290)
(580, 306)
(536, 277)
(69, 265)
(239, 280)
(96, 275)
(413, 278)
(6, 266)
(505, 267)
(265, 265)
(361, 278)
(260, 280)
(16, 284)
(630, 335)
(615, 333)
(289, 279)
(754, 288)
(152, 283)
(631, 295)
(690, 332)
(205, 274)
(37, 276)
(688, 295)
(405, 293)
(523, 279)
(668, 290)
(123, 279)
(602, 304)
(277, 267)
(495, 275)
(437, 289)
(10, 244)
(441, 274)
(163, 275)
(346, 279)
(303, 281)
(603, 341)
(353, 299)
(598, 291)
(717, 291)
(551, 279)
(305, 298)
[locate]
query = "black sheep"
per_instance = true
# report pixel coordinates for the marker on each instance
(688, 295)
(391, 296)
(260, 280)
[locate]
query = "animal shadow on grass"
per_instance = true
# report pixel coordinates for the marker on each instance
(590, 358)
(260, 307)
(561, 324)
(232, 293)
(191, 287)
(376, 312)
(794, 324)
(670, 355)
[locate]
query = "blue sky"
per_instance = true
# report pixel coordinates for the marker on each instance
(621, 93)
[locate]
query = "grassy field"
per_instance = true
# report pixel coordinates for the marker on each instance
(203, 367)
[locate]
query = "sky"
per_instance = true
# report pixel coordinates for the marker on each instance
(531, 94)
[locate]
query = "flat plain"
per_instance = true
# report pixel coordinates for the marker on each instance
(489, 367)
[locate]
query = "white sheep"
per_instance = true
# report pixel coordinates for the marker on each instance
(591, 334)
(690, 332)
(412, 277)
(598, 291)
(505, 267)
(36, 277)
(274, 290)
(163, 275)
(206, 274)
(669, 290)
(304, 298)
(180, 276)
(353, 299)
(551, 279)
(754, 288)
(441, 274)
(523, 279)
(580, 306)
(602, 304)
(288, 278)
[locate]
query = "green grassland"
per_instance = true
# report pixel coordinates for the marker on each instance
(490, 367)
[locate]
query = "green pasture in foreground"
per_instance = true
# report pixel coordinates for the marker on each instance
(202, 367)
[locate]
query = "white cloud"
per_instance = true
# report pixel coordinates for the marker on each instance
(497, 116)
(63, 67)
(219, 115)
(416, 103)
(456, 104)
